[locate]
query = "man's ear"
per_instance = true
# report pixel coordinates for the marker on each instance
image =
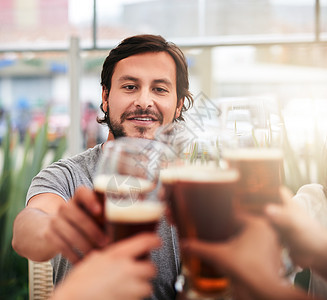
(105, 96)
(179, 107)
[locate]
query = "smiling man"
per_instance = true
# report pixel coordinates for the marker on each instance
(144, 85)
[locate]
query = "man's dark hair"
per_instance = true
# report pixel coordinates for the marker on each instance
(143, 44)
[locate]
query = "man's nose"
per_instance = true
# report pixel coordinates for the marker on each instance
(144, 99)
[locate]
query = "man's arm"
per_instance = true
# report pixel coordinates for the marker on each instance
(49, 225)
(31, 225)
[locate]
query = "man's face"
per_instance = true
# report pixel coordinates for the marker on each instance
(143, 95)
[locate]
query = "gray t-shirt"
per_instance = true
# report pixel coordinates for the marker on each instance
(64, 177)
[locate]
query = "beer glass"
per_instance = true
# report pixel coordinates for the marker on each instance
(260, 177)
(199, 196)
(126, 181)
(250, 140)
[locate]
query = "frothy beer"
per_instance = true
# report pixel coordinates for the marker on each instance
(200, 199)
(260, 176)
(127, 209)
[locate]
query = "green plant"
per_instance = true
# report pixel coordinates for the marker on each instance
(20, 164)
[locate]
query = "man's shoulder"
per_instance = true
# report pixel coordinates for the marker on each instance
(89, 154)
(88, 157)
(64, 176)
(84, 162)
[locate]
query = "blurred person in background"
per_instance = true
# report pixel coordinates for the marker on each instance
(252, 258)
(144, 85)
(90, 128)
(22, 117)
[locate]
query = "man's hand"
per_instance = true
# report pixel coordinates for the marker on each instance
(49, 225)
(73, 230)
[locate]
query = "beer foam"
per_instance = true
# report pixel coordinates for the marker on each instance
(253, 154)
(168, 175)
(138, 212)
(121, 184)
(198, 173)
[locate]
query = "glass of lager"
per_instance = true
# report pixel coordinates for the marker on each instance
(126, 182)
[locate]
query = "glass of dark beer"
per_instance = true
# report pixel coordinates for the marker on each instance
(200, 200)
(126, 182)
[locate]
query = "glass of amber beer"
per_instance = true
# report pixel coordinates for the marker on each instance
(258, 156)
(250, 140)
(260, 176)
(199, 198)
(126, 182)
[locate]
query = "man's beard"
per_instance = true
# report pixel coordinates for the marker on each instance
(118, 130)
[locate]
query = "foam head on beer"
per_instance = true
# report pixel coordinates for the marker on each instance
(253, 154)
(139, 212)
(122, 184)
(198, 173)
(127, 209)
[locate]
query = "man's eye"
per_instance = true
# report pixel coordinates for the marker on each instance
(161, 90)
(130, 87)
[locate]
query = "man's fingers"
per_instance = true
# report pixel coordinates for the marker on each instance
(80, 220)
(86, 198)
(71, 255)
(64, 248)
(136, 246)
(73, 235)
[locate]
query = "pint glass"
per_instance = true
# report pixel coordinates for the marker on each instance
(126, 181)
(199, 198)
(250, 140)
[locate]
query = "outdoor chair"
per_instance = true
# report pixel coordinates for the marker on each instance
(40, 280)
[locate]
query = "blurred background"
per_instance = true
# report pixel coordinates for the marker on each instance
(51, 56)
(234, 48)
